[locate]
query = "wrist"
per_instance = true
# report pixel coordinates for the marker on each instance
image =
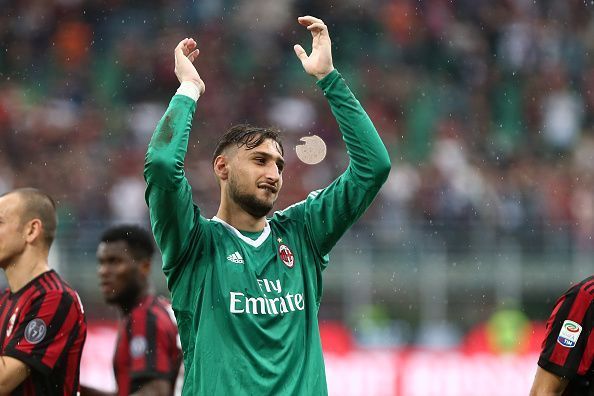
(189, 89)
(320, 76)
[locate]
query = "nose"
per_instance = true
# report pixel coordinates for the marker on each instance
(273, 173)
(102, 270)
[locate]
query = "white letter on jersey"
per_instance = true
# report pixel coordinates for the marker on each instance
(233, 301)
(278, 288)
(254, 304)
(299, 302)
(289, 298)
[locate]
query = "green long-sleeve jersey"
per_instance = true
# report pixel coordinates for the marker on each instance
(247, 305)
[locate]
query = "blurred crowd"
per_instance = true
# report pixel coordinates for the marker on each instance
(486, 106)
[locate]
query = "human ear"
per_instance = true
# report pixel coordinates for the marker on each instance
(33, 229)
(221, 167)
(145, 267)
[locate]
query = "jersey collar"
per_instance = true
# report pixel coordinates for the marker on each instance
(249, 241)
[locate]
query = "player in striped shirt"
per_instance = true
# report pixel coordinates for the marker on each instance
(565, 363)
(147, 358)
(42, 322)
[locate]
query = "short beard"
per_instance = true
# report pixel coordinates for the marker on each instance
(252, 205)
(127, 298)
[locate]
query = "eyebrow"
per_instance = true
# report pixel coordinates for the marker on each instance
(279, 160)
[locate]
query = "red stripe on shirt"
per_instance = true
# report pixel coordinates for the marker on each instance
(49, 307)
(54, 350)
(576, 314)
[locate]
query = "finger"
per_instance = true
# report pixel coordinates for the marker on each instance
(317, 26)
(193, 55)
(179, 50)
(308, 20)
(300, 52)
(191, 44)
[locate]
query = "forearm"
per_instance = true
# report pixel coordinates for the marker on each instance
(12, 373)
(155, 387)
(168, 193)
(164, 162)
(547, 384)
(370, 162)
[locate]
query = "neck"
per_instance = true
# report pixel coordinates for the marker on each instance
(128, 304)
(24, 269)
(235, 216)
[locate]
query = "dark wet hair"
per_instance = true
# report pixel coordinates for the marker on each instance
(248, 136)
(39, 205)
(139, 240)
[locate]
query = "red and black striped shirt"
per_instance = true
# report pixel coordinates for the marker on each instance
(568, 347)
(44, 326)
(148, 346)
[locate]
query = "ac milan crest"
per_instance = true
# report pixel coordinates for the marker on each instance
(286, 255)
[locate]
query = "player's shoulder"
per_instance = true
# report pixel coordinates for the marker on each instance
(583, 289)
(294, 210)
(157, 310)
(296, 215)
(213, 226)
(152, 304)
(161, 301)
(52, 283)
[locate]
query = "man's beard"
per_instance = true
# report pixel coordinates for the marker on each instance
(249, 202)
(127, 298)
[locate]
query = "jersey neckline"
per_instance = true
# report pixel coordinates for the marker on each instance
(255, 243)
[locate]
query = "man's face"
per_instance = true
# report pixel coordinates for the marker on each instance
(255, 178)
(120, 275)
(12, 235)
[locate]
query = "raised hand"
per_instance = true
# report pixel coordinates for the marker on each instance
(185, 53)
(319, 62)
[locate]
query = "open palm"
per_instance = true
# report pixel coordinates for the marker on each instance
(319, 62)
(186, 53)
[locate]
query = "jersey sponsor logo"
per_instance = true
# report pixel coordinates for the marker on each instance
(11, 322)
(235, 258)
(569, 334)
(137, 346)
(286, 255)
(35, 331)
(279, 304)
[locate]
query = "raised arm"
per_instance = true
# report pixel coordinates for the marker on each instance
(331, 211)
(168, 194)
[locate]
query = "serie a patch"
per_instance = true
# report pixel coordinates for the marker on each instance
(569, 334)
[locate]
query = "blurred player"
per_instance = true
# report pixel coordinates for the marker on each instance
(147, 357)
(246, 289)
(565, 365)
(42, 322)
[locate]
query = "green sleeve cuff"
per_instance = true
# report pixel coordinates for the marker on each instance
(327, 81)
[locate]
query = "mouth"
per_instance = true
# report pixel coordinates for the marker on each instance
(268, 187)
(106, 287)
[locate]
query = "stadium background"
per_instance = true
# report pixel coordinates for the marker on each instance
(487, 109)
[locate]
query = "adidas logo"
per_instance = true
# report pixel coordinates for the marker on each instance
(235, 258)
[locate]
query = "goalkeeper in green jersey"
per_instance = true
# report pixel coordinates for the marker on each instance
(245, 288)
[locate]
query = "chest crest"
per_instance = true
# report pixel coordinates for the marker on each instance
(285, 254)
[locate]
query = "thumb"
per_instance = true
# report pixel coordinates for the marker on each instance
(179, 50)
(300, 52)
